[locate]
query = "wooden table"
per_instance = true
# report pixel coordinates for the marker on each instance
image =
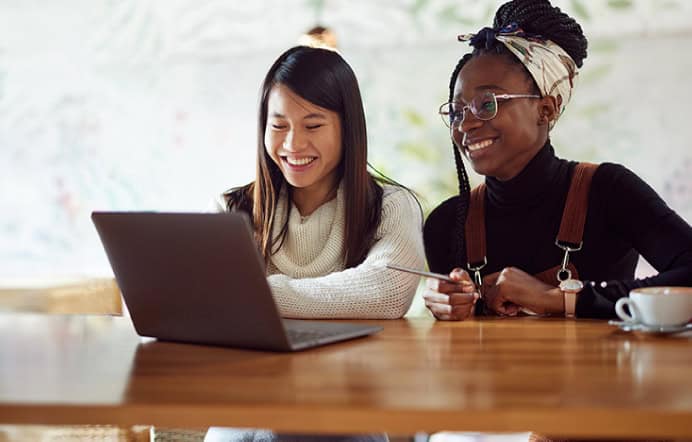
(573, 378)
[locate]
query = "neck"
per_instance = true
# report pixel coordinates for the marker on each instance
(308, 199)
(518, 164)
(531, 184)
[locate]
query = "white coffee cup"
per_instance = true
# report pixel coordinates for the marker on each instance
(657, 306)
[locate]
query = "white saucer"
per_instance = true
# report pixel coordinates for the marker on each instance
(643, 328)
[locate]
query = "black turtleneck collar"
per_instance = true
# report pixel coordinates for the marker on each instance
(531, 185)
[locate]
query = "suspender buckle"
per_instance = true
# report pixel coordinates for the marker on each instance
(564, 273)
(572, 247)
(476, 269)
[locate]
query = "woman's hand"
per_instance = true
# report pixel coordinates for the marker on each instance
(451, 301)
(512, 290)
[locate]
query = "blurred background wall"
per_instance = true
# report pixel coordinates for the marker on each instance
(151, 104)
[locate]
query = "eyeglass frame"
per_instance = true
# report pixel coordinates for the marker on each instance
(445, 115)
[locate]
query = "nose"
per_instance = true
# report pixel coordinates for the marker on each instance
(294, 141)
(469, 121)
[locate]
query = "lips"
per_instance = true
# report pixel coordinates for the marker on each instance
(298, 164)
(298, 161)
(477, 146)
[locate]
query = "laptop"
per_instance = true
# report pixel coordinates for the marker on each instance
(199, 278)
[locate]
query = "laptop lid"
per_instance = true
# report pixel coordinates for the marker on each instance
(199, 278)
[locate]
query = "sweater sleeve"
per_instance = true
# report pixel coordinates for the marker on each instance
(642, 219)
(369, 290)
(217, 205)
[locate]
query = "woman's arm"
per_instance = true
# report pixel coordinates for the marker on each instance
(218, 205)
(438, 236)
(369, 290)
(641, 218)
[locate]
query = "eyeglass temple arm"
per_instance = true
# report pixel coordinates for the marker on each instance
(505, 96)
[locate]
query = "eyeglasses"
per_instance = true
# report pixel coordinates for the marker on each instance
(483, 107)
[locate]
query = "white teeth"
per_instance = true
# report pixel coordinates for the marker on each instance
(479, 145)
(300, 161)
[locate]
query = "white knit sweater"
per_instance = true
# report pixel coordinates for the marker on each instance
(307, 274)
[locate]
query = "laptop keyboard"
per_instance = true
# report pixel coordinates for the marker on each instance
(303, 334)
(308, 335)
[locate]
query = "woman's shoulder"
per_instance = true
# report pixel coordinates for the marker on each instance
(389, 189)
(443, 215)
(446, 207)
(612, 171)
(625, 200)
(236, 198)
(614, 178)
(438, 235)
(393, 194)
(400, 203)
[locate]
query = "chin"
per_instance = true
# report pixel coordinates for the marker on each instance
(297, 180)
(482, 169)
(298, 184)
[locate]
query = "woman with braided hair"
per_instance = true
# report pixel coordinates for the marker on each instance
(541, 235)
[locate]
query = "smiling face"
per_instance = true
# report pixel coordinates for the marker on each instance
(503, 146)
(304, 140)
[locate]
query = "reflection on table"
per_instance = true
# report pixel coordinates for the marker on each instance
(572, 378)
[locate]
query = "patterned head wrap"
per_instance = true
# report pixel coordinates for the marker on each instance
(550, 66)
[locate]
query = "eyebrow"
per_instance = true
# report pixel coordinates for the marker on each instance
(489, 86)
(308, 116)
(483, 87)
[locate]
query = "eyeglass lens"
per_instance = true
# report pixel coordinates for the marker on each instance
(483, 107)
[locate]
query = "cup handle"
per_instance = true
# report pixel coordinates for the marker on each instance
(620, 310)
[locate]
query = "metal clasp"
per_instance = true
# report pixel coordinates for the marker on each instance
(476, 269)
(564, 273)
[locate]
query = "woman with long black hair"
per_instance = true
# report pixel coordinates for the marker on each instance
(325, 226)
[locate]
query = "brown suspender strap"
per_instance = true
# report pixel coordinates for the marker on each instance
(576, 205)
(475, 227)
(571, 226)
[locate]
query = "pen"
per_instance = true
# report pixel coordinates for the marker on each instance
(439, 276)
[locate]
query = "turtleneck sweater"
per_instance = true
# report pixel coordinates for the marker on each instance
(625, 218)
(307, 275)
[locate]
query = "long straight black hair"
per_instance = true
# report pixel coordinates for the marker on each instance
(323, 78)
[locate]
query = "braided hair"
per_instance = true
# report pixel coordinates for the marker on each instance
(541, 18)
(537, 17)
(464, 185)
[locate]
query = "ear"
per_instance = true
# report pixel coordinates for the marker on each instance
(548, 109)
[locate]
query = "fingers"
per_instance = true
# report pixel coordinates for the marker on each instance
(459, 274)
(440, 310)
(448, 287)
(463, 299)
(452, 299)
(508, 309)
(494, 299)
(451, 307)
(445, 312)
(462, 287)
(463, 284)
(491, 279)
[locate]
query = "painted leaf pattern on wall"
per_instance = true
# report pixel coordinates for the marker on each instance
(151, 105)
